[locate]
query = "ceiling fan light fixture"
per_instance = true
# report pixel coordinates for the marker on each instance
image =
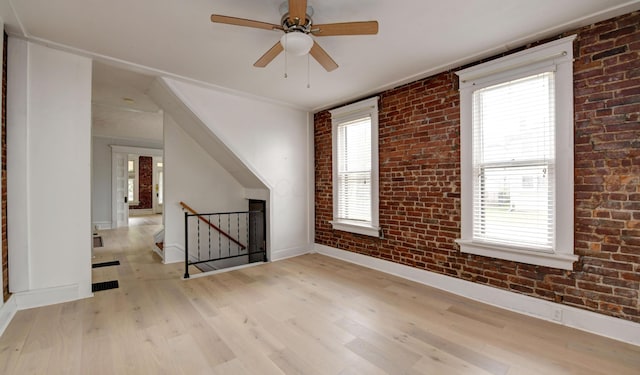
(296, 43)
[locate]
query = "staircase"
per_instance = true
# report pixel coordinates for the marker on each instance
(182, 120)
(158, 240)
(223, 239)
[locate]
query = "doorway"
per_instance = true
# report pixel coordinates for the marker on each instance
(137, 183)
(158, 185)
(257, 231)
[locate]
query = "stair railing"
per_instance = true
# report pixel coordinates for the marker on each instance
(206, 245)
(222, 232)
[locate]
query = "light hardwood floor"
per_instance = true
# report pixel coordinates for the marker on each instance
(305, 315)
(155, 219)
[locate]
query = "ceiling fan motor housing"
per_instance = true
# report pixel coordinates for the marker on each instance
(298, 30)
(289, 26)
(295, 24)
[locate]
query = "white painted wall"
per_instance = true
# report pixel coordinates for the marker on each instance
(101, 175)
(272, 141)
(193, 176)
(49, 155)
(17, 169)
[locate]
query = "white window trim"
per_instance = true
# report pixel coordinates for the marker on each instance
(558, 54)
(339, 115)
(136, 179)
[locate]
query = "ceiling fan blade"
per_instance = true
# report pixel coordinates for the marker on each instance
(323, 57)
(269, 56)
(298, 9)
(346, 28)
(244, 22)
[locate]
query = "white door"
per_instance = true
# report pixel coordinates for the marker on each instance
(158, 184)
(120, 171)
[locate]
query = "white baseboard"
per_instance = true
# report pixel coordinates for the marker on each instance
(48, 296)
(603, 325)
(7, 312)
(290, 252)
(102, 225)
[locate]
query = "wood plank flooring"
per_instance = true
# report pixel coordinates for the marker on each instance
(305, 315)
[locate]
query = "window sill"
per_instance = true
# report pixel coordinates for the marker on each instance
(553, 260)
(355, 227)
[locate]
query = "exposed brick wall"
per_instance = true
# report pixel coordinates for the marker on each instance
(145, 183)
(3, 173)
(420, 181)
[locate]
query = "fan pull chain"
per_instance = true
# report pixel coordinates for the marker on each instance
(285, 55)
(308, 72)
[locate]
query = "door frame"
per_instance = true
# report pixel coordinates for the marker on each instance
(263, 207)
(117, 201)
(117, 149)
(157, 207)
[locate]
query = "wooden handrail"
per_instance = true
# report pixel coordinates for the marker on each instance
(186, 207)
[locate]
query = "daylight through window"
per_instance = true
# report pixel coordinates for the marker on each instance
(514, 172)
(355, 167)
(516, 136)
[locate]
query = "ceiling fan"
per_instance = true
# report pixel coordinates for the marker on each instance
(297, 25)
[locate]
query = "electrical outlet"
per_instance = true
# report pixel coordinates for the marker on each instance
(557, 315)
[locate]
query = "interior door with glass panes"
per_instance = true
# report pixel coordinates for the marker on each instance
(158, 184)
(120, 190)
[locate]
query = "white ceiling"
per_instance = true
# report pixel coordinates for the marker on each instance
(121, 107)
(416, 38)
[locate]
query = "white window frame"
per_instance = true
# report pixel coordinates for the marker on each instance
(554, 56)
(364, 108)
(136, 179)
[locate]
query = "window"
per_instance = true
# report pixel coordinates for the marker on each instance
(132, 182)
(355, 167)
(517, 156)
(513, 142)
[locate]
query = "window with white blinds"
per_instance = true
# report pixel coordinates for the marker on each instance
(355, 167)
(354, 170)
(517, 156)
(514, 162)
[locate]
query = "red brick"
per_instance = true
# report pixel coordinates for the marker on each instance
(595, 287)
(628, 19)
(420, 181)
